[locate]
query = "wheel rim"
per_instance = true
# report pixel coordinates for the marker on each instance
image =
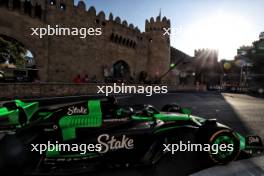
(223, 140)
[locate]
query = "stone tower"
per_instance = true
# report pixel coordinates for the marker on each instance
(159, 46)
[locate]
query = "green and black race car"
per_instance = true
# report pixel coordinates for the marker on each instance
(115, 136)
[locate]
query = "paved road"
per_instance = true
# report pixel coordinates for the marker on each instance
(253, 167)
(242, 112)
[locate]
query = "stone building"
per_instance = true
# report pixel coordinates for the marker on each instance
(184, 73)
(122, 48)
(208, 70)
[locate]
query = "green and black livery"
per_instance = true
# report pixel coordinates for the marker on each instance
(130, 135)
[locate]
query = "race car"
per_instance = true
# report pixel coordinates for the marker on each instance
(15, 114)
(114, 136)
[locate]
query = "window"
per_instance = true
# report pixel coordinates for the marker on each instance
(97, 21)
(116, 39)
(120, 40)
(131, 43)
(124, 41)
(127, 42)
(112, 37)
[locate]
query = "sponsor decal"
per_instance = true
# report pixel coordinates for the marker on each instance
(253, 139)
(111, 143)
(75, 110)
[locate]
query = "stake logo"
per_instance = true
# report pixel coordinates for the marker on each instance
(112, 143)
(75, 110)
(253, 139)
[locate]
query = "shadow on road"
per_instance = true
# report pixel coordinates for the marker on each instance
(206, 105)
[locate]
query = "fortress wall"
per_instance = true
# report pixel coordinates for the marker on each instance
(61, 58)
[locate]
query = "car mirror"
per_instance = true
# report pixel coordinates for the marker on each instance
(186, 111)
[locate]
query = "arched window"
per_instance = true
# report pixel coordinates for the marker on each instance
(27, 7)
(127, 42)
(116, 39)
(121, 70)
(112, 37)
(131, 43)
(38, 11)
(97, 21)
(120, 40)
(134, 45)
(124, 41)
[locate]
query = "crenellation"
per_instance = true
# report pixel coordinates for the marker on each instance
(70, 3)
(92, 11)
(101, 16)
(111, 17)
(118, 20)
(168, 22)
(137, 29)
(158, 64)
(131, 26)
(120, 41)
(124, 23)
(81, 6)
(158, 18)
(152, 20)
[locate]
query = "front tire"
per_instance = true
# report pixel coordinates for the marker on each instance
(226, 138)
(216, 137)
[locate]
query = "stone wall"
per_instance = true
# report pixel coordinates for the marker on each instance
(61, 58)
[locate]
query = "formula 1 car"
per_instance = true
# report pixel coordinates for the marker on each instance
(50, 140)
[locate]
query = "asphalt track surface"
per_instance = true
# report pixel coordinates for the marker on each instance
(243, 113)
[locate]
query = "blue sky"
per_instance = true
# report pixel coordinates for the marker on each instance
(220, 24)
